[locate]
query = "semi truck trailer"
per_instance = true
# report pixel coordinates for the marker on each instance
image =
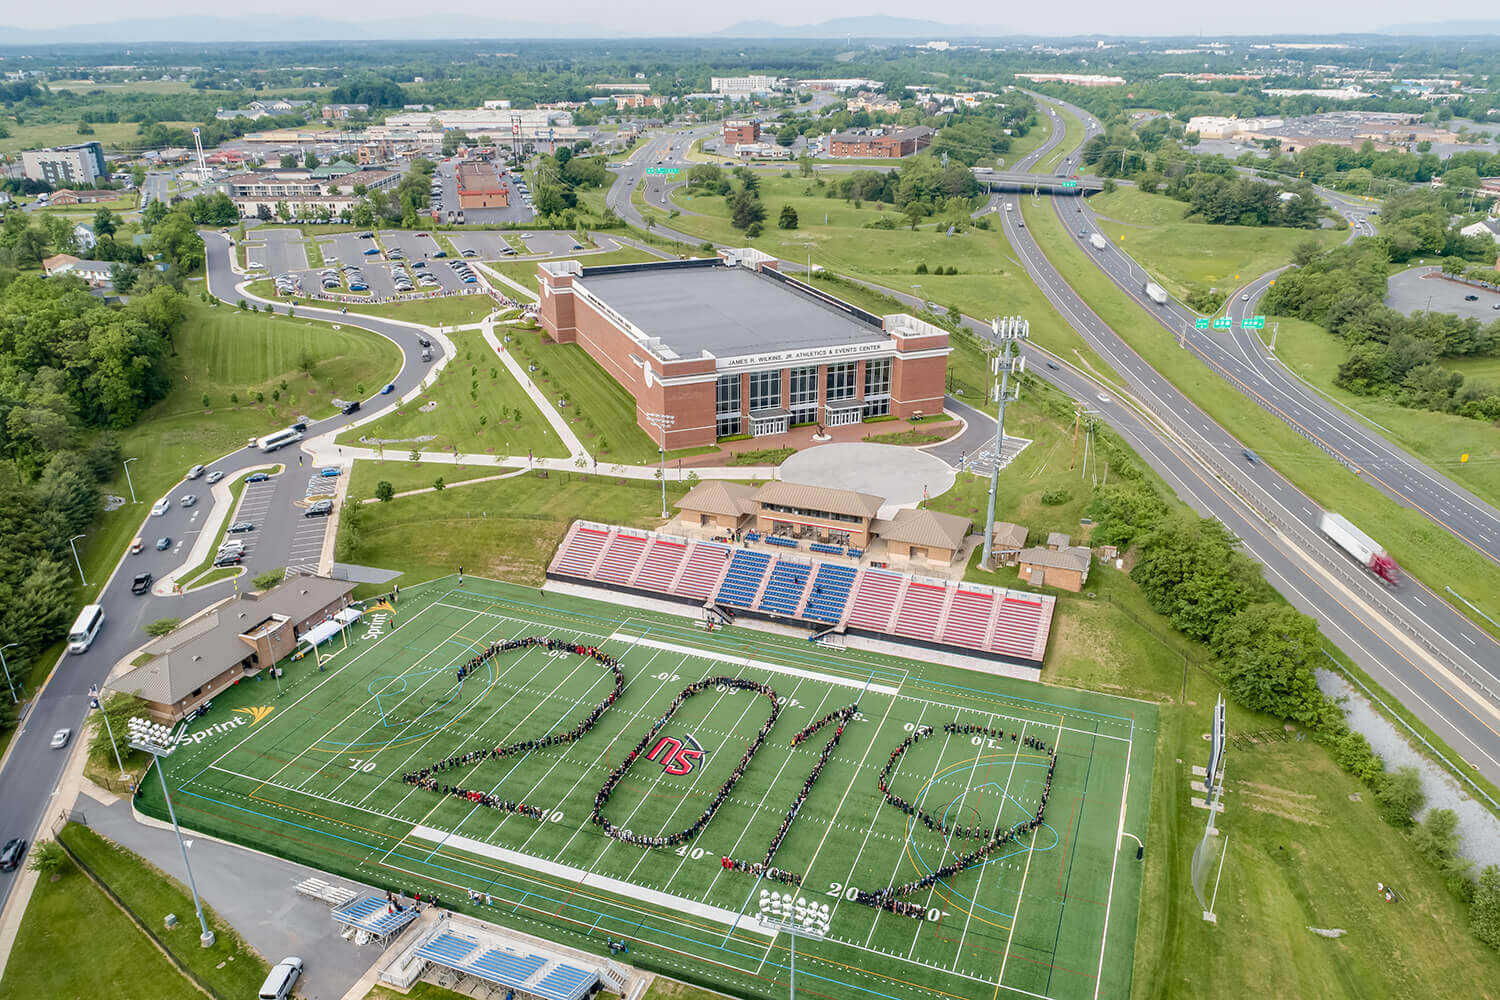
(1098, 241)
(1156, 293)
(1360, 546)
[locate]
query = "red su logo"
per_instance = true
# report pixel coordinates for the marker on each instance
(674, 757)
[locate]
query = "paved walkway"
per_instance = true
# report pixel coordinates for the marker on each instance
(564, 432)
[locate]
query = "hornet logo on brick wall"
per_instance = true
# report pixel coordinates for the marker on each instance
(675, 758)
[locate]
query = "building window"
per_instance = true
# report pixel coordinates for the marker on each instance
(804, 394)
(727, 405)
(877, 387)
(765, 391)
(841, 381)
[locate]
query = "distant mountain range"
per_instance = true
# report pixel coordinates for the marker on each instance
(1446, 28)
(289, 29)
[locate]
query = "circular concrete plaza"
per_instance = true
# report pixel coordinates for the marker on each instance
(886, 470)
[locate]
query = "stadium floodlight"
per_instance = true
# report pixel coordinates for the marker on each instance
(1005, 332)
(796, 917)
(662, 421)
(1213, 784)
(149, 736)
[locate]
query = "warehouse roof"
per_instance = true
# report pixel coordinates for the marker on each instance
(725, 311)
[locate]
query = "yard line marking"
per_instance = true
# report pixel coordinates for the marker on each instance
(1114, 863)
(999, 816)
(581, 877)
(1021, 894)
(908, 827)
(744, 661)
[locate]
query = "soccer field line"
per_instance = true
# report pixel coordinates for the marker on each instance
(1113, 867)
(1021, 895)
(745, 661)
(1004, 792)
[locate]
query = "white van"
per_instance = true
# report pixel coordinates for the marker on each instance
(81, 635)
(278, 985)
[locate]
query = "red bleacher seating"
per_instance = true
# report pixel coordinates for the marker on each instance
(918, 615)
(662, 559)
(581, 551)
(620, 558)
(1015, 632)
(705, 564)
(969, 619)
(872, 604)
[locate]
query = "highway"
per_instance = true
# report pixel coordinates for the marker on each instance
(32, 771)
(1310, 571)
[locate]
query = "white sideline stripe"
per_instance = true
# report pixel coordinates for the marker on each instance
(627, 889)
(758, 664)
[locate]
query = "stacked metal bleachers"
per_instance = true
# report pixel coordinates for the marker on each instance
(969, 618)
(563, 982)
(1016, 631)
(704, 566)
(784, 588)
(620, 558)
(873, 601)
(746, 570)
(662, 559)
(830, 593)
(581, 550)
(920, 608)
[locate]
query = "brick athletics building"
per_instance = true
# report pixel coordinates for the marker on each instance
(730, 346)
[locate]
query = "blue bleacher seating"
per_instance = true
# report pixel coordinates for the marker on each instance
(825, 547)
(854, 553)
(830, 592)
(370, 913)
(752, 536)
(784, 588)
(743, 578)
(789, 543)
(565, 982)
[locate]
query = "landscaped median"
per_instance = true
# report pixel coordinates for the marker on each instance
(206, 572)
(1424, 549)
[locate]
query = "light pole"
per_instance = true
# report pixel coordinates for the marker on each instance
(661, 421)
(158, 740)
(916, 291)
(97, 703)
(127, 479)
(76, 560)
(796, 918)
(1006, 332)
(8, 681)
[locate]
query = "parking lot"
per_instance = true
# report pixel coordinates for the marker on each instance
(278, 251)
(419, 247)
(516, 211)
(255, 506)
(307, 539)
(1424, 289)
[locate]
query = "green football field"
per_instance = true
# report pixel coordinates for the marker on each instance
(314, 772)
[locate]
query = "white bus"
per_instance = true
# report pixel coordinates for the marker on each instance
(280, 439)
(81, 635)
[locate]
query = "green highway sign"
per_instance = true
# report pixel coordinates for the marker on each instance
(1223, 323)
(1253, 323)
(1202, 323)
(662, 170)
(1070, 184)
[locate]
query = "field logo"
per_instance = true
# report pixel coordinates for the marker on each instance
(257, 713)
(675, 758)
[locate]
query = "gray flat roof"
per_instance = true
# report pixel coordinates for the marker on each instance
(727, 311)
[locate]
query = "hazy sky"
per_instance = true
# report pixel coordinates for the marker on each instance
(671, 17)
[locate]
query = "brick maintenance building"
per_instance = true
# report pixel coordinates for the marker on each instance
(729, 346)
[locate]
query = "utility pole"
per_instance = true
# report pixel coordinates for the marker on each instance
(662, 421)
(1006, 332)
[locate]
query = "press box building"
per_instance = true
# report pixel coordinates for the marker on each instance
(729, 345)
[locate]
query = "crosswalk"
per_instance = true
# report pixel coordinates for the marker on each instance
(984, 462)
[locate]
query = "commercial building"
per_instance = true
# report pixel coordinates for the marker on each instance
(1061, 564)
(370, 180)
(341, 112)
(763, 151)
(879, 142)
(728, 346)
(81, 163)
(1076, 79)
(873, 103)
(64, 196)
(737, 133)
(273, 185)
(480, 186)
(742, 86)
(529, 123)
(230, 641)
(840, 83)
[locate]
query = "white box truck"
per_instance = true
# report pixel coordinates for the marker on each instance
(1098, 241)
(1156, 293)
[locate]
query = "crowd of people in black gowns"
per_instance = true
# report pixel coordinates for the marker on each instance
(427, 777)
(890, 898)
(692, 829)
(765, 867)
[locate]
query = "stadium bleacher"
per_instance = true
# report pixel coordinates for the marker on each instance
(1009, 625)
(746, 569)
(448, 949)
(563, 982)
(374, 914)
(784, 588)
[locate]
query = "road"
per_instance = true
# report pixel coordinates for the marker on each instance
(1283, 536)
(32, 771)
(155, 188)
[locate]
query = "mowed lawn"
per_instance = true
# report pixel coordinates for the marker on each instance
(477, 400)
(222, 350)
(1441, 439)
(507, 529)
(1187, 256)
(990, 280)
(111, 134)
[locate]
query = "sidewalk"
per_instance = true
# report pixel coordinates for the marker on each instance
(564, 432)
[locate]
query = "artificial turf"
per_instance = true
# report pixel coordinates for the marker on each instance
(315, 774)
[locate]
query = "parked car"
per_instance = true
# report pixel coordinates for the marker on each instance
(161, 506)
(228, 559)
(282, 979)
(141, 584)
(320, 508)
(214, 477)
(239, 527)
(163, 543)
(257, 477)
(331, 472)
(12, 854)
(60, 738)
